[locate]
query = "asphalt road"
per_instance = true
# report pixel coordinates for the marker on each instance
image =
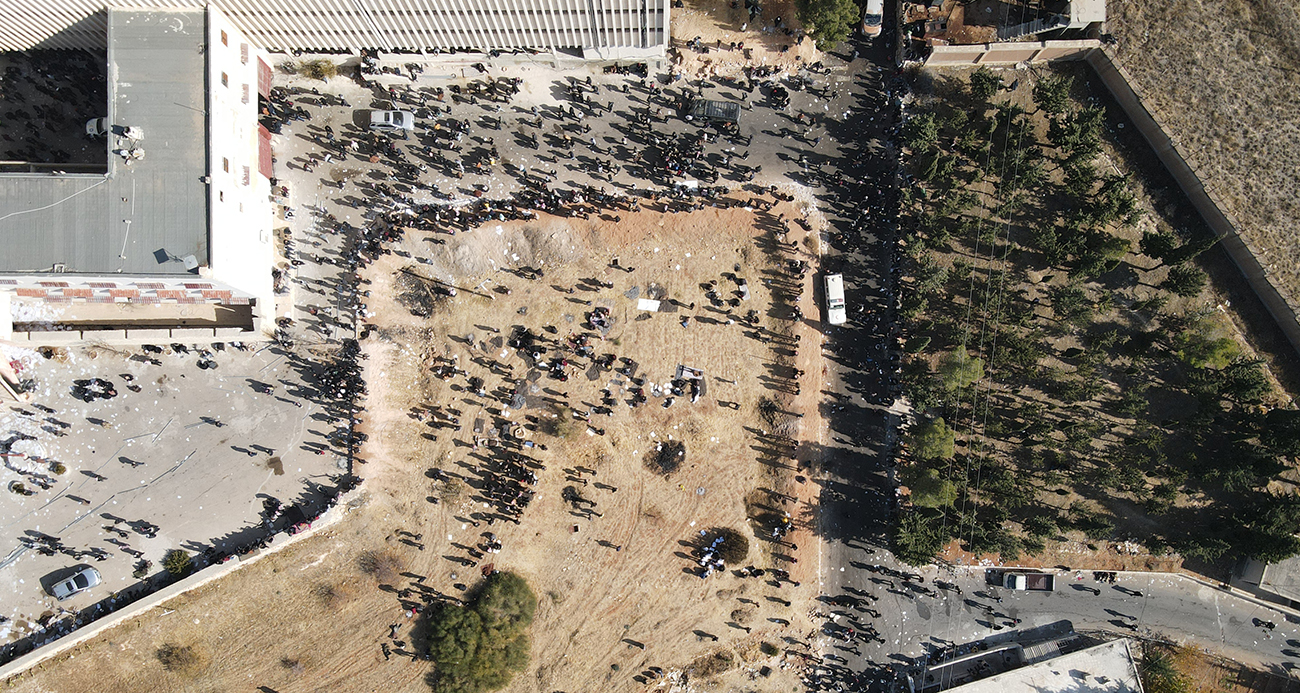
(857, 496)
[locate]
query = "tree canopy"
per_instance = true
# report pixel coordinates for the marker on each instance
(828, 22)
(480, 647)
(957, 369)
(932, 439)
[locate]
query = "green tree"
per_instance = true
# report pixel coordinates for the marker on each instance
(931, 439)
(1185, 280)
(919, 536)
(1071, 304)
(921, 132)
(1282, 432)
(984, 84)
(929, 490)
(1245, 381)
(828, 22)
(957, 369)
(480, 647)
(1158, 244)
(1052, 93)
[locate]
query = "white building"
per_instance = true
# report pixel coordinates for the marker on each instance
(591, 29)
(171, 240)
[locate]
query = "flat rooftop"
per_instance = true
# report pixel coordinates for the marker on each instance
(1105, 668)
(145, 216)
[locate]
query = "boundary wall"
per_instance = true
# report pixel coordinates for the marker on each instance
(1175, 160)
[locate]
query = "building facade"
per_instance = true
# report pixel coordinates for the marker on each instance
(591, 29)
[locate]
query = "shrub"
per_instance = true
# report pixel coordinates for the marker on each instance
(178, 563)
(178, 659)
(480, 647)
(383, 566)
(318, 69)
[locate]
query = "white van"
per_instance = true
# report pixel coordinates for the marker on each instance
(835, 311)
(872, 16)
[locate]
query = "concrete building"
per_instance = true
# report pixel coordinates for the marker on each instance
(589, 29)
(171, 239)
(1071, 664)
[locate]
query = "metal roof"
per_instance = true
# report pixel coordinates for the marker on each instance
(143, 217)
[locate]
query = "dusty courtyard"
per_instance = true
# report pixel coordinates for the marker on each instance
(616, 590)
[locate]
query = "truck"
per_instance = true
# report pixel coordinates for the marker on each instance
(1031, 582)
(836, 313)
(724, 113)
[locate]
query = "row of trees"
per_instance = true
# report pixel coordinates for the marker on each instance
(1046, 361)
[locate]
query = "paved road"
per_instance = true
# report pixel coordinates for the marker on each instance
(857, 499)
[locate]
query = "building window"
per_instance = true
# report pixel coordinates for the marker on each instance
(221, 195)
(225, 40)
(225, 80)
(243, 53)
(248, 176)
(225, 164)
(245, 93)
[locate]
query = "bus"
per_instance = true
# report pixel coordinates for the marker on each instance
(835, 311)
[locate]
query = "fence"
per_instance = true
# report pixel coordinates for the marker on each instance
(1207, 204)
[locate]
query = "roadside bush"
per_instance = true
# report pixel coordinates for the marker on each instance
(178, 563)
(480, 647)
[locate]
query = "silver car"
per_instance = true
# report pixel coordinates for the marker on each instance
(79, 582)
(392, 121)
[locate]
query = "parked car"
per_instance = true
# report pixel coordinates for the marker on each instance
(392, 121)
(872, 16)
(79, 582)
(97, 127)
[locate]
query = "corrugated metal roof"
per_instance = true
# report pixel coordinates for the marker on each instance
(157, 77)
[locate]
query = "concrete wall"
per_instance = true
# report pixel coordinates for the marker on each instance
(1010, 53)
(346, 502)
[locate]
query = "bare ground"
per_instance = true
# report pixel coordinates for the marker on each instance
(309, 618)
(1222, 78)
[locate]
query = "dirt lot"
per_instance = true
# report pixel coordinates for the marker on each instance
(615, 595)
(1221, 77)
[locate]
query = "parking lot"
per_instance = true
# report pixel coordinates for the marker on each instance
(181, 457)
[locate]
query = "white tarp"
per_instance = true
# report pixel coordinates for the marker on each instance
(647, 304)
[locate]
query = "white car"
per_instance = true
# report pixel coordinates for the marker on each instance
(79, 582)
(392, 121)
(97, 127)
(872, 16)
